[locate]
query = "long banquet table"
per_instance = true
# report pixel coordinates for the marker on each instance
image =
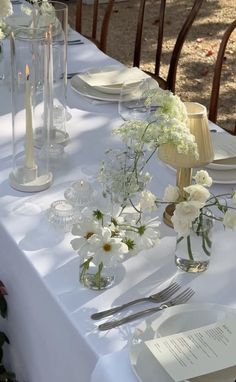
(52, 336)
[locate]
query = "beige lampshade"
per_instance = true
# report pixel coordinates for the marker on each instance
(198, 125)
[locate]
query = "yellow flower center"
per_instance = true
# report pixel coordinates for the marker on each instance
(107, 247)
(88, 235)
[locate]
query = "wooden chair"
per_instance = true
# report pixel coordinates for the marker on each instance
(213, 106)
(102, 41)
(169, 82)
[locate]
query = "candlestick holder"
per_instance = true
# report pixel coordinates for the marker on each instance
(30, 171)
(55, 18)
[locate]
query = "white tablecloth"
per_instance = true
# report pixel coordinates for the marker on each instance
(52, 336)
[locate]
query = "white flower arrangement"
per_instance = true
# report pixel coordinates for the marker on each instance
(198, 200)
(104, 238)
(123, 173)
(42, 11)
(5, 11)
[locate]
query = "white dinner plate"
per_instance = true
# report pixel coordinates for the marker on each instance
(85, 90)
(222, 177)
(222, 165)
(171, 321)
(109, 79)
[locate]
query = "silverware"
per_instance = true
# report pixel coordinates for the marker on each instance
(70, 75)
(69, 42)
(157, 297)
(180, 299)
(75, 42)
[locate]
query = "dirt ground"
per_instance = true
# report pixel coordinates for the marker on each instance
(194, 77)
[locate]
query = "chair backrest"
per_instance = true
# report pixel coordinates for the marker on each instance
(169, 82)
(215, 90)
(102, 41)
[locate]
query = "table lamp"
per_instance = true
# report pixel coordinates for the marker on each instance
(198, 125)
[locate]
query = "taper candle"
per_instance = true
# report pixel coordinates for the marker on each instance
(29, 155)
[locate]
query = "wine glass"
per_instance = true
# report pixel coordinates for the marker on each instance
(132, 99)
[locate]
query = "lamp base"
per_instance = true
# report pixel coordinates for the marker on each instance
(168, 213)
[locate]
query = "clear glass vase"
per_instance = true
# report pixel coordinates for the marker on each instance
(193, 251)
(30, 172)
(55, 19)
(96, 276)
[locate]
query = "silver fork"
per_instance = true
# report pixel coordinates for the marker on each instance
(157, 297)
(180, 299)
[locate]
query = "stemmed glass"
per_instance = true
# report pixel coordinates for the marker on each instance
(132, 99)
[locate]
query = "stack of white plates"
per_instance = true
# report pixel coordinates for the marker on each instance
(105, 83)
(223, 168)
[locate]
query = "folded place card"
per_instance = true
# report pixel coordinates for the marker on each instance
(224, 146)
(196, 352)
(113, 76)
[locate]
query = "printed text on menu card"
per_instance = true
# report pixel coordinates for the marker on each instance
(196, 352)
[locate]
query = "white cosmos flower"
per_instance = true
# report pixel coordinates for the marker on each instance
(229, 219)
(147, 236)
(171, 194)
(197, 193)
(147, 201)
(86, 228)
(104, 247)
(202, 177)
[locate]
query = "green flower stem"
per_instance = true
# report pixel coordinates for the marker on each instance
(85, 267)
(180, 239)
(207, 239)
(150, 156)
(205, 242)
(190, 254)
(98, 278)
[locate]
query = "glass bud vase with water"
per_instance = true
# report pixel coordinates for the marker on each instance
(193, 251)
(96, 275)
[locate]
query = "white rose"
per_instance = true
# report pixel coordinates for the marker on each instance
(187, 211)
(147, 201)
(197, 193)
(171, 194)
(181, 226)
(6, 9)
(229, 219)
(202, 177)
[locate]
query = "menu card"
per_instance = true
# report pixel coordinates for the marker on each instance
(196, 352)
(224, 146)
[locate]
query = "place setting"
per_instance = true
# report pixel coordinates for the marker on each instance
(105, 84)
(190, 342)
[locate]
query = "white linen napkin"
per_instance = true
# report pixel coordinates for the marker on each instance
(224, 146)
(112, 76)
